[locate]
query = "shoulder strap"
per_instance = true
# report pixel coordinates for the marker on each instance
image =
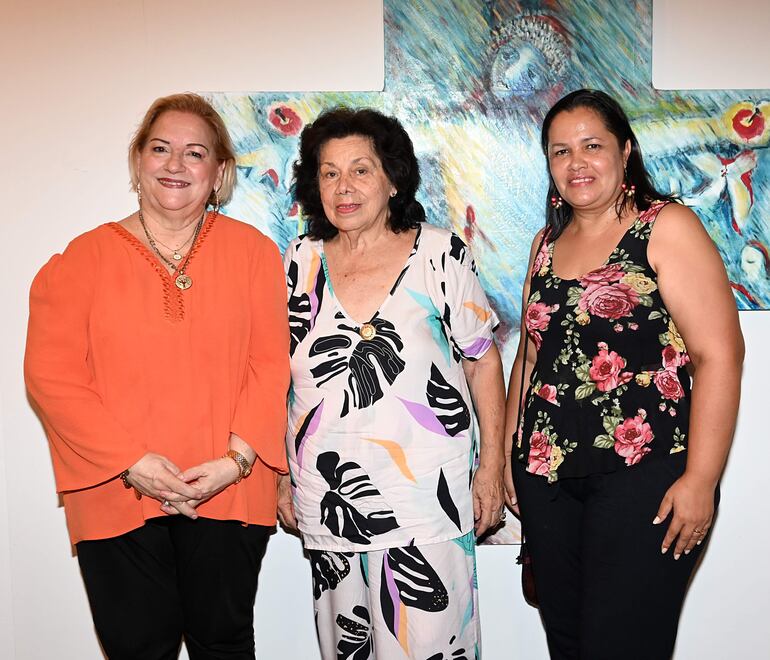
(526, 342)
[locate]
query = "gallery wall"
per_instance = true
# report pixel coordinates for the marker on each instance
(75, 84)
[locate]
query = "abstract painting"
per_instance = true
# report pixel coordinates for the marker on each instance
(471, 81)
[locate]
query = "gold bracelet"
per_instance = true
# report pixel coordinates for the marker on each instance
(244, 467)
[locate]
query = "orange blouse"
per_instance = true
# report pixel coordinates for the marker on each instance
(120, 362)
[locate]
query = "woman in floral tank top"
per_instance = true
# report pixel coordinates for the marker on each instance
(614, 457)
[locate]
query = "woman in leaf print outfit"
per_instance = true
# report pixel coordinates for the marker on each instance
(391, 351)
(616, 460)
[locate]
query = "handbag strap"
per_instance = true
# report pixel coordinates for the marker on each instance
(526, 345)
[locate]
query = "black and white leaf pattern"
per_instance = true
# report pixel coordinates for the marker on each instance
(353, 508)
(447, 402)
(328, 569)
(303, 307)
(366, 364)
(356, 641)
(416, 582)
(446, 501)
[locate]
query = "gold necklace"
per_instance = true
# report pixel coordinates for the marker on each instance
(176, 252)
(183, 280)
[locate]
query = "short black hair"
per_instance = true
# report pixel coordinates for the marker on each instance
(616, 122)
(393, 147)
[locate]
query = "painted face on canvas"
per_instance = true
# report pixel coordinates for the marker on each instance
(354, 187)
(177, 167)
(586, 162)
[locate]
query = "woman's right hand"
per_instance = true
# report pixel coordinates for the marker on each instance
(285, 503)
(510, 491)
(156, 476)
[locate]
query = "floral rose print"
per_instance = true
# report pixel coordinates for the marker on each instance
(609, 301)
(668, 384)
(605, 275)
(542, 260)
(537, 317)
(632, 437)
(594, 360)
(539, 454)
(607, 370)
(548, 392)
(640, 283)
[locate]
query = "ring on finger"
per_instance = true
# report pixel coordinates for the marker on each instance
(166, 503)
(502, 515)
(697, 531)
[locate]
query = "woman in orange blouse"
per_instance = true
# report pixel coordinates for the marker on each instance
(157, 361)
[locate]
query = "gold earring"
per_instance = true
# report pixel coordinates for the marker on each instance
(139, 193)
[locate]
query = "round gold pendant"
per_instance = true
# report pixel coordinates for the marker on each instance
(177, 256)
(183, 281)
(367, 331)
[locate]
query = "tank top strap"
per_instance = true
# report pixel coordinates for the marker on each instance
(649, 216)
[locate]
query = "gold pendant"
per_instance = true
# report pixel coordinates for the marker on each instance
(183, 281)
(367, 331)
(177, 256)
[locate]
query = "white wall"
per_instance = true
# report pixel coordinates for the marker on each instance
(75, 82)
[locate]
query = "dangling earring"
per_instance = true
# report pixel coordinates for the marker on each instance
(216, 201)
(556, 201)
(628, 190)
(139, 194)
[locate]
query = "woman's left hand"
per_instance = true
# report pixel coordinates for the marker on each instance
(692, 502)
(210, 478)
(488, 497)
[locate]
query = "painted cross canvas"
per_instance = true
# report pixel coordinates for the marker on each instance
(471, 81)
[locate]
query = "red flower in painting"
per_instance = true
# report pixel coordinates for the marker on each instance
(284, 119)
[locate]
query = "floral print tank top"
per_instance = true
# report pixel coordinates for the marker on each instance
(610, 386)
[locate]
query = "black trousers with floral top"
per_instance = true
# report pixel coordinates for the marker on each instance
(605, 590)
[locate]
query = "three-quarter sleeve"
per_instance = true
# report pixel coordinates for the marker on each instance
(468, 317)
(260, 415)
(88, 445)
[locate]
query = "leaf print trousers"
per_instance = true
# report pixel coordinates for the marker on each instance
(605, 590)
(413, 602)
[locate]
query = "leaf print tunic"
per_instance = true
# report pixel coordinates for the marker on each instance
(610, 386)
(382, 438)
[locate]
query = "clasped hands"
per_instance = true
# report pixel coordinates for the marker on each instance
(181, 491)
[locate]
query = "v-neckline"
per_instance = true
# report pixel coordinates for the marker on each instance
(389, 295)
(152, 258)
(605, 263)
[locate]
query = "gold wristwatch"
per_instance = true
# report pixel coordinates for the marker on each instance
(240, 460)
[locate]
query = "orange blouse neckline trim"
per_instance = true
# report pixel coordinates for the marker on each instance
(173, 299)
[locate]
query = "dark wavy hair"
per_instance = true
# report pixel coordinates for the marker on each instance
(393, 147)
(616, 122)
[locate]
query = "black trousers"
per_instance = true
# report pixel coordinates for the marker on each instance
(173, 578)
(605, 590)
